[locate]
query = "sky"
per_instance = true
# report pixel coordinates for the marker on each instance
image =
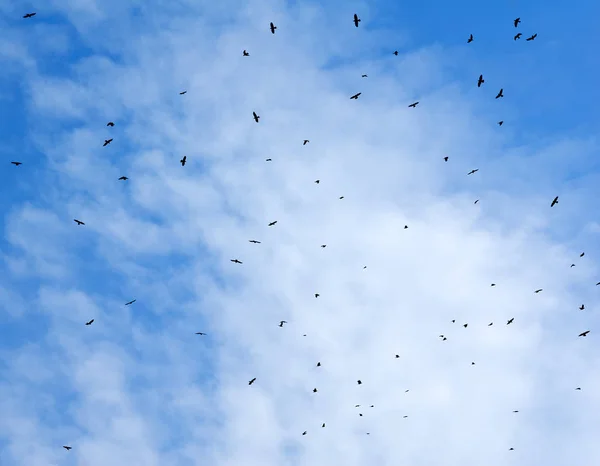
(404, 284)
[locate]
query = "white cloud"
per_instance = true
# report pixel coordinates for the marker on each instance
(138, 387)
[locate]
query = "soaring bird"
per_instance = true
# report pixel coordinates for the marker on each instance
(124, 178)
(445, 159)
(510, 321)
(245, 54)
(465, 325)
(356, 20)
(305, 142)
(584, 334)
(90, 322)
(582, 307)
(364, 76)
(78, 222)
(317, 295)
(317, 181)
(282, 322)
(582, 254)
(341, 197)
(396, 52)
(65, 446)
(200, 333)
(304, 433)
(107, 142)
(110, 123)
(16, 164)
(272, 27)
(537, 291)
(319, 364)
(268, 160)
(29, 15)
(253, 241)
(255, 116)
(252, 381)
(183, 92)
(500, 94)
(183, 160)
(473, 171)
(272, 223)
(130, 302)
(554, 201)
(517, 36)
(315, 390)
(532, 37)
(470, 39)
(359, 382)
(480, 81)
(476, 201)
(501, 122)
(490, 324)
(517, 21)
(236, 261)
(414, 104)
(323, 245)
(355, 96)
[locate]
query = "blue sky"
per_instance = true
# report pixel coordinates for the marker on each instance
(139, 387)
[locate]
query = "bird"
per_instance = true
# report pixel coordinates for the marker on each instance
(107, 142)
(572, 265)
(500, 94)
(532, 37)
(317, 295)
(314, 390)
(584, 334)
(253, 241)
(252, 381)
(480, 81)
(406, 227)
(78, 222)
(245, 54)
(490, 324)
(304, 433)
(470, 39)
(236, 261)
(414, 104)
(183, 92)
(282, 322)
(272, 223)
(472, 364)
(110, 123)
(359, 382)
(255, 116)
(396, 52)
(323, 245)
(124, 178)
(465, 325)
(90, 322)
(517, 21)
(29, 15)
(200, 333)
(501, 122)
(476, 201)
(319, 364)
(306, 141)
(355, 96)
(65, 446)
(578, 388)
(582, 307)
(16, 164)
(554, 202)
(493, 284)
(356, 20)
(473, 171)
(268, 160)
(511, 449)
(537, 291)
(515, 411)
(582, 254)
(517, 36)
(130, 302)
(183, 160)
(364, 76)
(510, 321)
(317, 181)
(323, 425)
(272, 27)
(397, 356)
(445, 159)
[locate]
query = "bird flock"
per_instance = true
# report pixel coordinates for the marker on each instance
(356, 20)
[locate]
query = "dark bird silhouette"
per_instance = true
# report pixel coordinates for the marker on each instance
(253, 241)
(406, 227)
(578, 388)
(323, 245)
(510, 321)
(323, 425)
(517, 21)
(107, 142)
(414, 104)
(584, 334)
(29, 15)
(445, 159)
(124, 178)
(359, 382)
(183, 161)
(304, 433)
(532, 37)
(252, 381)
(490, 324)
(319, 364)
(235, 261)
(65, 446)
(268, 160)
(130, 302)
(364, 76)
(272, 27)
(473, 171)
(317, 295)
(282, 322)
(396, 52)
(537, 291)
(341, 197)
(200, 333)
(501, 122)
(245, 54)
(511, 449)
(272, 223)
(493, 284)
(470, 39)
(183, 92)
(480, 81)
(517, 36)
(110, 123)
(317, 181)
(16, 164)
(90, 322)
(465, 325)
(356, 20)
(314, 390)
(554, 202)
(476, 201)
(582, 307)
(255, 116)
(515, 411)
(355, 96)
(78, 222)
(500, 94)
(582, 254)
(306, 141)
(397, 356)
(572, 265)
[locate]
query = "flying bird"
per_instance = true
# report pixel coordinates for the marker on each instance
(490, 324)
(272, 223)
(323, 245)
(356, 20)
(107, 142)
(253, 241)
(183, 160)
(465, 325)
(282, 322)
(584, 334)
(90, 322)
(255, 116)
(554, 201)
(268, 160)
(65, 446)
(532, 37)
(517, 21)
(470, 39)
(480, 81)
(476, 201)
(501, 122)
(445, 159)
(304, 433)
(124, 178)
(235, 261)
(517, 36)
(317, 295)
(364, 76)
(355, 96)
(317, 181)
(314, 390)
(252, 381)
(493, 284)
(500, 94)
(510, 321)
(359, 382)
(16, 164)
(582, 254)
(130, 302)
(537, 291)
(319, 364)
(200, 333)
(414, 104)
(341, 197)
(306, 141)
(29, 15)
(110, 123)
(78, 222)
(272, 27)
(323, 425)
(245, 54)
(184, 92)
(473, 171)
(396, 52)
(582, 307)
